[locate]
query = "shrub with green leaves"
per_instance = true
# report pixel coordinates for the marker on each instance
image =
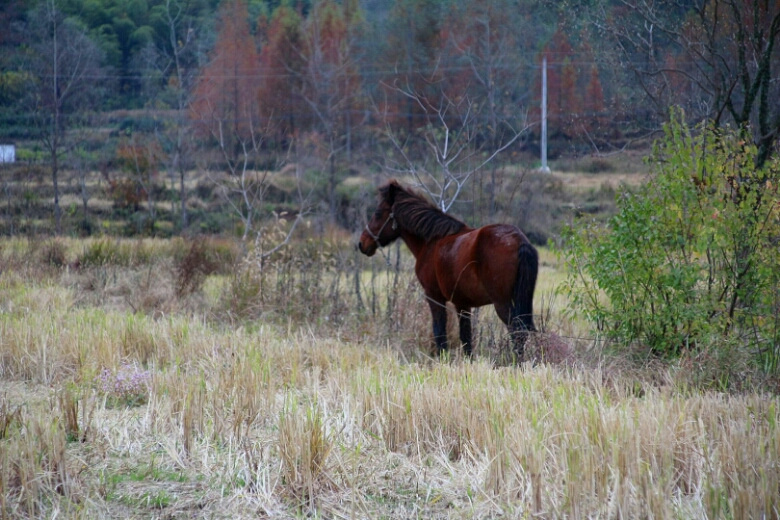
(692, 257)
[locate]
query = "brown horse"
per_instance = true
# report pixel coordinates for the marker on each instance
(455, 263)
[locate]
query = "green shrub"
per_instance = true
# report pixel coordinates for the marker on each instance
(107, 251)
(691, 258)
(54, 253)
(98, 253)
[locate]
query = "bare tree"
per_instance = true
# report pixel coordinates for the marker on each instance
(717, 58)
(178, 67)
(242, 186)
(450, 155)
(63, 64)
(330, 84)
(483, 45)
(226, 112)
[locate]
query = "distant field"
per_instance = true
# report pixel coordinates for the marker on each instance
(133, 387)
(116, 202)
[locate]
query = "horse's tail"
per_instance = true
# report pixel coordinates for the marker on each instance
(522, 308)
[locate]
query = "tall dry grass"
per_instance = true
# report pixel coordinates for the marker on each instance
(183, 409)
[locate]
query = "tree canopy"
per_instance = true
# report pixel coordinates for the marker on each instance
(347, 68)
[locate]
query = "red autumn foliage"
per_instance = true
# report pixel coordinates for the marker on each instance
(225, 101)
(281, 63)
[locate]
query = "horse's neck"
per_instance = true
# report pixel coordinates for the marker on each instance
(415, 243)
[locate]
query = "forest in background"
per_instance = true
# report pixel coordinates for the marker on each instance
(158, 105)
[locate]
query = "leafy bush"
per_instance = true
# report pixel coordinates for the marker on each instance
(691, 258)
(99, 253)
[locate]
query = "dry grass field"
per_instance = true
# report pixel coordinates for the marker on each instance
(155, 379)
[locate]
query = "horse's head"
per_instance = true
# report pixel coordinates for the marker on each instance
(382, 228)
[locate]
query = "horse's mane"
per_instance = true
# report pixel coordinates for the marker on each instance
(416, 214)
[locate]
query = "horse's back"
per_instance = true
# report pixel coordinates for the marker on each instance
(500, 238)
(479, 267)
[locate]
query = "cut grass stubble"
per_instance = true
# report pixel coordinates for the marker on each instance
(286, 421)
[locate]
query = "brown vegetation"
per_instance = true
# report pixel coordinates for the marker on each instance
(123, 395)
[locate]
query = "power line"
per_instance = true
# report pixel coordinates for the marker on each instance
(385, 72)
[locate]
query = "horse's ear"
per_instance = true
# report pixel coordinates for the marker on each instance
(392, 188)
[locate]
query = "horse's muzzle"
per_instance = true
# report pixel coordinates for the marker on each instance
(368, 250)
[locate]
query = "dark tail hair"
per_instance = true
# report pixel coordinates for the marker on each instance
(522, 310)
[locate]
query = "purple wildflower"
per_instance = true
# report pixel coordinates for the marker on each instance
(128, 383)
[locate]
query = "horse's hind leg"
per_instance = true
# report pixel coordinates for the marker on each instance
(439, 315)
(519, 333)
(464, 317)
(518, 329)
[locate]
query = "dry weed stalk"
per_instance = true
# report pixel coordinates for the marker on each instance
(34, 470)
(304, 446)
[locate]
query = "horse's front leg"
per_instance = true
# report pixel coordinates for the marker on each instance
(464, 317)
(439, 315)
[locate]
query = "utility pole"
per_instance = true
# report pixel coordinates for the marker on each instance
(544, 168)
